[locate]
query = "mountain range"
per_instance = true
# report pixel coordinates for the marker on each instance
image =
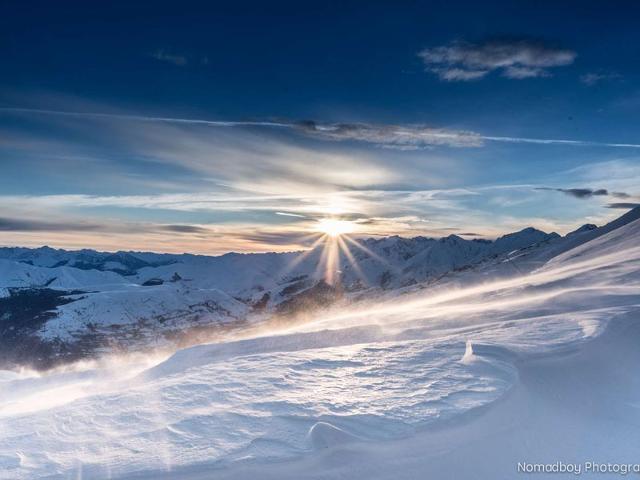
(58, 305)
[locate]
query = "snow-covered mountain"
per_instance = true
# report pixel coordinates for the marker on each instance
(57, 305)
(400, 386)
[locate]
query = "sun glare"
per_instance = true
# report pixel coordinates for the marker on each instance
(335, 228)
(333, 240)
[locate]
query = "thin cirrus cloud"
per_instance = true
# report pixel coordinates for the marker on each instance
(11, 224)
(515, 59)
(168, 57)
(113, 235)
(392, 136)
(276, 185)
(235, 155)
(178, 59)
(401, 137)
(276, 238)
(185, 229)
(298, 207)
(26, 225)
(591, 79)
(239, 239)
(429, 212)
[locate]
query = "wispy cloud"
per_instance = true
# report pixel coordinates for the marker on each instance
(558, 141)
(578, 192)
(623, 205)
(251, 188)
(593, 78)
(270, 238)
(585, 193)
(392, 136)
(513, 58)
(144, 118)
(184, 229)
(179, 59)
(289, 214)
(173, 58)
(621, 195)
(401, 137)
(61, 224)
(26, 225)
(148, 236)
(622, 175)
(436, 212)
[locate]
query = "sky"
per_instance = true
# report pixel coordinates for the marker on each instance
(210, 127)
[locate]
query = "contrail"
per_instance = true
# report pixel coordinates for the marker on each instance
(289, 214)
(376, 134)
(141, 118)
(553, 141)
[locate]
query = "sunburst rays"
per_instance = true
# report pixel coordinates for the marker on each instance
(334, 247)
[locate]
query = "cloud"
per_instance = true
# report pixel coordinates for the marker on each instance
(392, 136)
(289, 214)
(386, 135)
(558, 141)
(591, 79)
(454, 74)
(520, 73)
(147, 119)
(9, 224)
(178, 59)
(23, 225)
(434, 213)
(66, 232)
(286, 239)
(513, 58)
(235, 176)
(579, 192)
(621, 195)
(184, 229)
(400, 137)
(583, 192)
(623, 205)
(173, 58)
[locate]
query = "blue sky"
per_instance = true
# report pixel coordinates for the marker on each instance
(207, 127)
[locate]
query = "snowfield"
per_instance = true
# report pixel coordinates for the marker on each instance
(463, 380)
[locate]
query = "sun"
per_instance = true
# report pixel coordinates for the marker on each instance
(335, 228)
(332, 241)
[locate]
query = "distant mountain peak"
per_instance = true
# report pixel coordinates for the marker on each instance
(587, 227)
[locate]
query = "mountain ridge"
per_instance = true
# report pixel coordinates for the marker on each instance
(97, 301)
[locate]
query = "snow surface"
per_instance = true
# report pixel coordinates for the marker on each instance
(464, 380)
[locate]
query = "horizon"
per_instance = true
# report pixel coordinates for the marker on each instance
(151, 135)
(359, 239)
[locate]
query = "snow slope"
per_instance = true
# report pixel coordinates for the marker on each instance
(461, 380)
